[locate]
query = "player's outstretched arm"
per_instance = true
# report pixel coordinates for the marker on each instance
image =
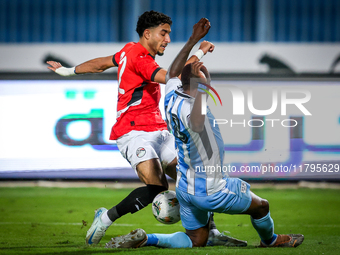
(96, 65)
(200, 29)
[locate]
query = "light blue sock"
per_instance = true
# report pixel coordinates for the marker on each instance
(265, 228)
(175, 240)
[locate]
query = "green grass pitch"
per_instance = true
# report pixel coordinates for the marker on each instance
(52, 221)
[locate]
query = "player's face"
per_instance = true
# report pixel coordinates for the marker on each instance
(159, 39)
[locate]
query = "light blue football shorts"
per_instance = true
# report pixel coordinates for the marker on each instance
(195, 211)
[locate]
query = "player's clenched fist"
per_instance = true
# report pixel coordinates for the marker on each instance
(200, 29)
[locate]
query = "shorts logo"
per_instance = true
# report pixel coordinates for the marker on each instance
(243, 187)
(140, 152)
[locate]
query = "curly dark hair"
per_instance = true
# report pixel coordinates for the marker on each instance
(151, 19)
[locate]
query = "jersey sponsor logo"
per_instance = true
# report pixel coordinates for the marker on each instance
(140, 152)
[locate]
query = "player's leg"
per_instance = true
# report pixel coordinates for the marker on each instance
(258, 208)
(193, 219)
(199, 237)
(216, 238)
(138, 238)
(264, 225)
(168, 154)
(216, 202)
(151, 174)
(170, 169)
(135, 201)
(138, 149)
(189, 239)
(142, 151)
(260, 218)
(159, 149)
(243, 201)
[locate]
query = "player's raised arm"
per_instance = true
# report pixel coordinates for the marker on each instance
(96, 65)
(200, 29)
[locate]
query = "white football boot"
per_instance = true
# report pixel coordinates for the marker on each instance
(97, 229)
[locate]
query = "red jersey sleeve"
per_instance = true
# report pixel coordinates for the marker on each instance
(147, 67)
(115, 59)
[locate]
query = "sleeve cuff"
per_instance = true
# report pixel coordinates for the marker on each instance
(114, 61)
(154, 73)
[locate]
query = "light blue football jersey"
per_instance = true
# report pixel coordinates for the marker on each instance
(200, 155)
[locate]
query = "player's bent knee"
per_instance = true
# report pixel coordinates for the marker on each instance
(259, 207)
(151, 172)
(262, 209)
(265, 205)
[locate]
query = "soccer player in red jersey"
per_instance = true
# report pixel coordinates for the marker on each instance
(140, 131)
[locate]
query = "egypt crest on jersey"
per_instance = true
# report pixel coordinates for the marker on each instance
(140, 152)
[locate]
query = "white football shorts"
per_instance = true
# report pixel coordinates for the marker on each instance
(139, 146)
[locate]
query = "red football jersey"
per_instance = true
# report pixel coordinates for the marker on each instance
(138, 94)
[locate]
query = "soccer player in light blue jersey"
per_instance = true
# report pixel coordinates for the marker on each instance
(199, 191)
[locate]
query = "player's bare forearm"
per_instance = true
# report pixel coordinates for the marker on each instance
(177, 65)
(96, 65)
(181, 59)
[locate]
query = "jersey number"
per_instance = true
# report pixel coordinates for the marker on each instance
(176, 127)
(122, 62)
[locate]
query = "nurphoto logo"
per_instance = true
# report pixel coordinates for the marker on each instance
(278, 101)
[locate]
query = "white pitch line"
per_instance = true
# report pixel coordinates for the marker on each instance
(124, 225)
(42, 223)
(57, 223)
